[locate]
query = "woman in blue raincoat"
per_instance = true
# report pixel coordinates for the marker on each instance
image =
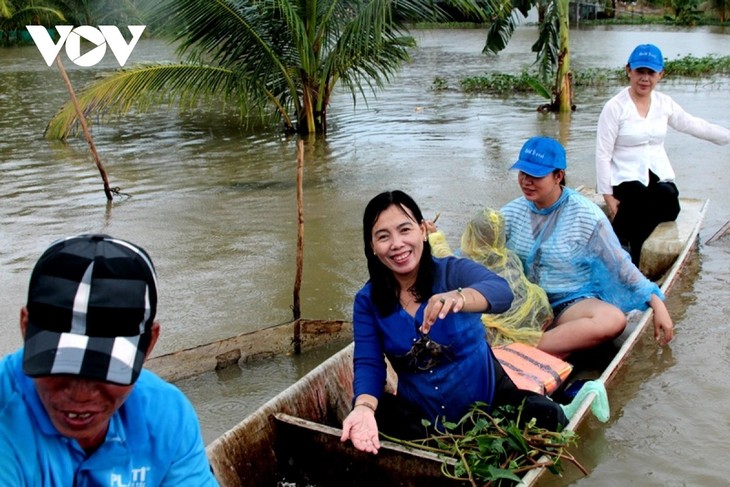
(568, 248)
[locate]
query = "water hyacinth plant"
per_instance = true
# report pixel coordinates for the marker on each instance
(493, 449)
(686, 67)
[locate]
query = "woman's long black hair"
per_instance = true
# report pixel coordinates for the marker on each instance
(385, 288)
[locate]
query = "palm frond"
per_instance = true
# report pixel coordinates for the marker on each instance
(376, 32)
(18, 19)
(505, 19)
(144, 87)
(224, 33)
(500, 32)
(236, 35)
(6, 9)
(283, 56)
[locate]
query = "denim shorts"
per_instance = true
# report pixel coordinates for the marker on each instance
(559, 308)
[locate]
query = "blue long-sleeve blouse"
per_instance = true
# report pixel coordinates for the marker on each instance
(464, 376)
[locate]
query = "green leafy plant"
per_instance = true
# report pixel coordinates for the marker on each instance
(496, 449)
(692, 66)
(272, 60)
(503, 83)
(688, 66)
(439, 84)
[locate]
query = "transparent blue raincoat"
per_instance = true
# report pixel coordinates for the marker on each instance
(571, 251)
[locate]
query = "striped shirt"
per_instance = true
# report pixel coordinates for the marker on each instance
(571, 251)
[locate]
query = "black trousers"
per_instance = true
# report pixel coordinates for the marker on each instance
(641, 209)
(402, 420)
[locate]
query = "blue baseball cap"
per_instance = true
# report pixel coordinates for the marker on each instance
(540, 156)
(647, 56)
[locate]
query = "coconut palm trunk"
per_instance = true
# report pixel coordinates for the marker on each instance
(564, 81)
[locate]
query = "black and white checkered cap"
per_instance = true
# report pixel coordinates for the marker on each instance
(91, 304)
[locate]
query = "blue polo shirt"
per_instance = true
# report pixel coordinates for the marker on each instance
(153, 439)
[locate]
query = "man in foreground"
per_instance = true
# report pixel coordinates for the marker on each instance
(76, 406)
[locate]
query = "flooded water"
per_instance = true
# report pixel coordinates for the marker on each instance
(216, 209)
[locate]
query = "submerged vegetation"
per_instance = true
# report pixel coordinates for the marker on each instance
(494, 450)
(689, 66)
(500, 83)
(695, 67)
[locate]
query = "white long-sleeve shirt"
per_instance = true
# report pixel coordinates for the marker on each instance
(628, 145)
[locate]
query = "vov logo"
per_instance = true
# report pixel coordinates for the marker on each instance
(71, 37)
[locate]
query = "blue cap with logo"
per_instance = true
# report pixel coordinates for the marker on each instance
(540, 156)
(647, 56)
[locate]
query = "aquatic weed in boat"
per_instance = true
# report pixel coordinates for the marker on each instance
(493, 450)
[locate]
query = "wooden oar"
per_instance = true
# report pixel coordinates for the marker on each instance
(85, 127)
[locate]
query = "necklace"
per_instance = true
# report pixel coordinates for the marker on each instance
(407, 303)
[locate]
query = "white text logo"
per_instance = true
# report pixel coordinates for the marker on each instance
(101, 37)
(139, 478)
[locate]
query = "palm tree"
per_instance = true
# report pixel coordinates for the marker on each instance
(100, 12)
(16, 14)
(552, 47)
(271, 59)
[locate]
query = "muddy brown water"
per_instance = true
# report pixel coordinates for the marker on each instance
(216, 209)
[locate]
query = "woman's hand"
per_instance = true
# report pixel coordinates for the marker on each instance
(612, 205)
(361, 428)
(663, 325)
(441, 304)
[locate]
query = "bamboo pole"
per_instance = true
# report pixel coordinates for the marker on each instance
(300, 246)
(719, 234)
(85, 127)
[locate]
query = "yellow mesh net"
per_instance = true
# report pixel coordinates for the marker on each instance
(483, 241)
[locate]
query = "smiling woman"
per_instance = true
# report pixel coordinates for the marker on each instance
(444, 363)
(568, 248)
(632, 167)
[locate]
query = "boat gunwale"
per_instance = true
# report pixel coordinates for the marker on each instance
(611, 369)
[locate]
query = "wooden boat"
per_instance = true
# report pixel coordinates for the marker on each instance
(662, 257)
(293, 439)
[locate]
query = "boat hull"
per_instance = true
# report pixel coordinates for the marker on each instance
(293, 439)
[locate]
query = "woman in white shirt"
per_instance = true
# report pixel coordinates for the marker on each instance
(633, 171)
